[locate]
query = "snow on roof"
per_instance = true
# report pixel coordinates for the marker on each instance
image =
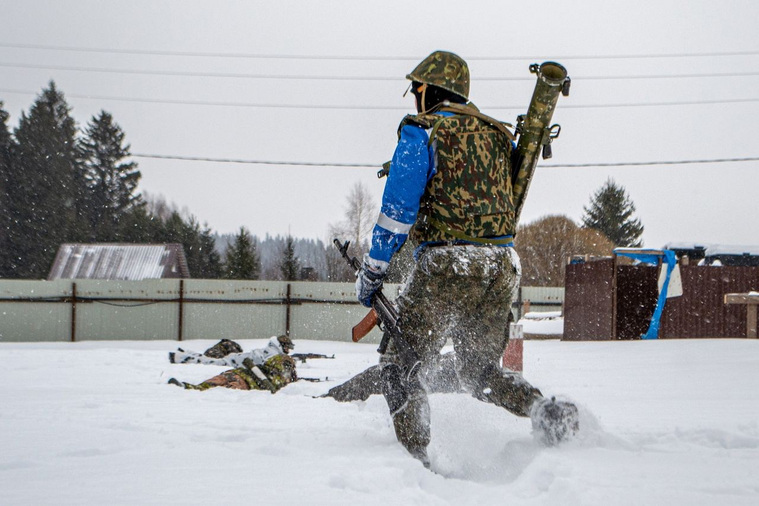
(131, 262)
(715, 249)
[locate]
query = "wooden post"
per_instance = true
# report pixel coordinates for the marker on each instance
(287, 310)
(751, 300)
(73, 312)
(614, 300)
(180, 330)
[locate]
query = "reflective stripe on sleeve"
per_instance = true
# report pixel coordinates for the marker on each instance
(392, 225)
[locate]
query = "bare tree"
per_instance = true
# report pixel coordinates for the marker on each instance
(545, 245)
(360, 217)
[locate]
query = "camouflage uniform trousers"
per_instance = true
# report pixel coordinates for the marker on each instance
(463, 293)
(274, 374)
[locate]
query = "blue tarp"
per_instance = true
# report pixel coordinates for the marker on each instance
(653, 257)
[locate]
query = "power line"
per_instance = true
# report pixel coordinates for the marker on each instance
(370, 107)
(660, 162)
(154, 52)
(212, 74)
(377, 165)
(653, 104)
(216, 103)
(314, 77)
(253, 162)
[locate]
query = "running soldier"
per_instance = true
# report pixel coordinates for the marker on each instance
(450, 188)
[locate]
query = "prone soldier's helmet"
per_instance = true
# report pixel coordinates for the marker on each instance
(286, 344)
(280, 369)
(445, 70)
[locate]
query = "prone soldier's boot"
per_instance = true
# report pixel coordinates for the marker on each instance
(174, 381)
(188, 386)
(554, 421)
(185, 357)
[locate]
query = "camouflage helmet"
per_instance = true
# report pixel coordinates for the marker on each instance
(285, 343)
(444, 70)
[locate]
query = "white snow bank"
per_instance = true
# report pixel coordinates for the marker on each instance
(546, 323)
(711, 249)
(663, 422)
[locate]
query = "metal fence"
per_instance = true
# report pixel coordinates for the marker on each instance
(606, 300)
(183, 309)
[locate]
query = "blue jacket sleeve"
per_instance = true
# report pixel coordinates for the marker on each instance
(411, 167)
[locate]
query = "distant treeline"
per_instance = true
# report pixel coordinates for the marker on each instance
(60, 184)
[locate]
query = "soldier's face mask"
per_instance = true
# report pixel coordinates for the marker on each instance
(419, 90)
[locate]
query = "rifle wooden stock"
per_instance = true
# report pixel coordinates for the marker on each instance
(383, 313)
(364, 326)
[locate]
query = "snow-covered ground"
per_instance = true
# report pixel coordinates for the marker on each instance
(547, 323)
(663, 422)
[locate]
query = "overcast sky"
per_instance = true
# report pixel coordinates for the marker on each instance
(185, 87)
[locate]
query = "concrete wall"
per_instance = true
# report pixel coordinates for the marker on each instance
(87, 310)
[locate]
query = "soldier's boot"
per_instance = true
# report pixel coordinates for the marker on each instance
(410, 410)
(554, 421)
(174, 381)
(504, 388)
(185, 357)
(188, 386)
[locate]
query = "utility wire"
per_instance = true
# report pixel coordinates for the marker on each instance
(660, 162)
(370, 107)
(378, 165)
(252, 162)
(154, 52)
(212, 74)
(313, 77)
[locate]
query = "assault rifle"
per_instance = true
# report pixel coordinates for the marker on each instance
(385, 315)
(307, 356)
(313, 380)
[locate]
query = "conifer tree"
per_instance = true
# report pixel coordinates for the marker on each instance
(112, 182)
(611, 212)
(242, 261)
(6, 142)
(209, 261)
(46, 186)
(290, 265)
(200, 249)
(139, 226)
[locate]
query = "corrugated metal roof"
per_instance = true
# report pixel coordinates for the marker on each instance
(132, 262)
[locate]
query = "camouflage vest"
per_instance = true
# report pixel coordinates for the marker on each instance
(469, 198)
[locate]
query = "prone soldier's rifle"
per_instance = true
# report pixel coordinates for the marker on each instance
(385, 315)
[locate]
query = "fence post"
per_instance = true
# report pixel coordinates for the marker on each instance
(614, 267)
(287, 312)
(181, 309)
(73, 312)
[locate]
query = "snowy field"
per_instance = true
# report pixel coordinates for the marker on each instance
(670, 422)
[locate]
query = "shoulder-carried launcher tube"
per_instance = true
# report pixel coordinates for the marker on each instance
(535, 134)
